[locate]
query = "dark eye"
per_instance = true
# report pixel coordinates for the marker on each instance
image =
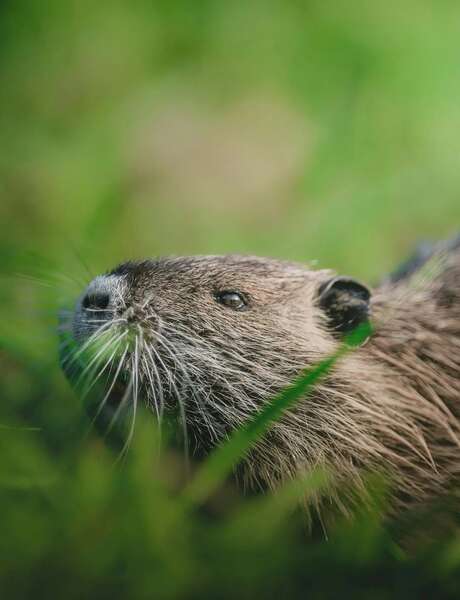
(233, 300)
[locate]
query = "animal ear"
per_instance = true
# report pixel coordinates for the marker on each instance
(346, 303)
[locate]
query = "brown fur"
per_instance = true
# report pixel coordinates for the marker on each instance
(391, 406)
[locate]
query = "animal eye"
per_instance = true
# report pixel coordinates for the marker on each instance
(233, 300)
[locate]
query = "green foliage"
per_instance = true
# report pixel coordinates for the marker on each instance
(305, 130)
(84, 528)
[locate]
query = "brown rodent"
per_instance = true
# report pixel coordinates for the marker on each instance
(218, 336)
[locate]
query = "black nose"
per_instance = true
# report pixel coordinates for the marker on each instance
(96, 300)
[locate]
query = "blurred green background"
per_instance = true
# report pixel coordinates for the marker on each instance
(311, 130)
(307, 130)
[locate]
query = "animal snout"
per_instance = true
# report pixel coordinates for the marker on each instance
(100, 296)
(96, 300)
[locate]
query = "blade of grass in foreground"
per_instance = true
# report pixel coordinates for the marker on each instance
(221, 462)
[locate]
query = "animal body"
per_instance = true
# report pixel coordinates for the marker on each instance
(213, 338)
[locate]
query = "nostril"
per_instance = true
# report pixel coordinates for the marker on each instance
(96, 300)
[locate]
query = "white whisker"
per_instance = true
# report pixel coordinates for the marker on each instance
(107, 364)
(114, 380)
(135, 394)
(94, 360)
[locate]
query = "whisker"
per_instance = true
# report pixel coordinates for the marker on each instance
(33, 279)
(121, 406)
(120, 299)
(191, 386)
(92, 339)
(91, 321)
(112, 385)
(152, 388)
(180, 404)
(135, 394)
(158, 378)
(51, 279)
(116, 342)
(94, 360)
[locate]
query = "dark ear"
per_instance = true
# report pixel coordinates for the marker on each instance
(346, 303)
